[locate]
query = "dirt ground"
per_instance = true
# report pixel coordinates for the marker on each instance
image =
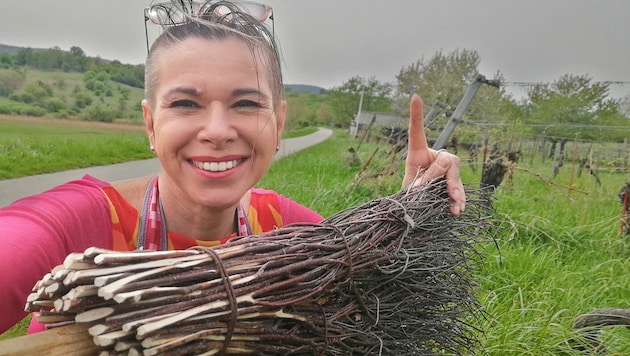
(117, 126)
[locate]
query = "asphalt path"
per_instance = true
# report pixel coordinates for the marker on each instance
(14, 189)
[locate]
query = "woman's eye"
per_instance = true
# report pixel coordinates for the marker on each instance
(187, 104)
(248, 104)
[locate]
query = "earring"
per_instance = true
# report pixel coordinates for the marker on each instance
(277, 148)
(152, 148)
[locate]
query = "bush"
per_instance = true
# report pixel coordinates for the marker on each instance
(55, 104)
(18, 108)
(10, 81)
(65, 114)
(26, 98)
(82, 99)
(98, 112)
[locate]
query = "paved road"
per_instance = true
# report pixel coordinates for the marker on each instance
(13, 189)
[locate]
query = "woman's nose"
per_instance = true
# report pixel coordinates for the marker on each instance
(217, 127)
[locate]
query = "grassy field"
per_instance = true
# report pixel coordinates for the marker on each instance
(34, 146)
(558, 251)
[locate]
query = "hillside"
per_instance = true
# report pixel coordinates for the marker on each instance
(12, 50)
(296, 88)
(304, 88)
(69, 84)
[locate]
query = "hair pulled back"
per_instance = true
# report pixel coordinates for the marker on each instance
(212, 27)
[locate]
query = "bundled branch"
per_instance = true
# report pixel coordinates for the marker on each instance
(392, 276)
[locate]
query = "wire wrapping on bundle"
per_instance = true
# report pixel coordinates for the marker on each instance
(392, 276)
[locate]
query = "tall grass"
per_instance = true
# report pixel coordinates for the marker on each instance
(558, 252)
(560, 255)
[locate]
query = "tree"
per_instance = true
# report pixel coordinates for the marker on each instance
(7, 60)
(572, 100)
(624, 106)
(298, 113)
(344, 100)
(442, 82)
(442, 78)
(77, 60)
(39, 91)
(24, 56)
(324, 114)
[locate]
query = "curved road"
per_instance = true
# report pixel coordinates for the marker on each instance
(13, 189)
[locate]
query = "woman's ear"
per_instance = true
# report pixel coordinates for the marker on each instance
(148, 122)
(281, 115)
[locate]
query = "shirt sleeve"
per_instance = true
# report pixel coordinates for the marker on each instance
(38, 232)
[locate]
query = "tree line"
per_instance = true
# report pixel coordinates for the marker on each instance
(572, 106)
(567, 108)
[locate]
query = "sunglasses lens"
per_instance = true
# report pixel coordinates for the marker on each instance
(258, 11)
(163, 15)
(168, 14)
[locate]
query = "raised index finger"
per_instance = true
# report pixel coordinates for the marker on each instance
(417, 138)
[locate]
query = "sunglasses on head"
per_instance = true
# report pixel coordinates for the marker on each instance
(177, 12)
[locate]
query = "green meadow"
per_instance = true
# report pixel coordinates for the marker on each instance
(48, 145)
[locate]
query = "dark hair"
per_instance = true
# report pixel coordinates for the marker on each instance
(259, 38)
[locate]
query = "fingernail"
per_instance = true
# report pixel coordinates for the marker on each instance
(455, 210)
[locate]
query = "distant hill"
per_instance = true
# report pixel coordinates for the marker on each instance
(304, 88)
(13, 50)
(296, 88)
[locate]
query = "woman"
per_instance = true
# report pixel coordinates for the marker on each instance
(214, 114)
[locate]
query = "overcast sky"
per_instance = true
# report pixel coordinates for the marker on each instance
(325, 42)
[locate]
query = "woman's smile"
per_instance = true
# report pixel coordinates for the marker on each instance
(216, 166)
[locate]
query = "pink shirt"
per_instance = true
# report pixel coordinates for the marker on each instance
(38, 232)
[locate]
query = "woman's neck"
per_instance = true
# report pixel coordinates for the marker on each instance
(197, 222)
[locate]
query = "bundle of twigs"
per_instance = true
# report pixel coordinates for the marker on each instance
(392, 276)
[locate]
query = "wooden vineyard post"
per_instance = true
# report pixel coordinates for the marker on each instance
(624, 196)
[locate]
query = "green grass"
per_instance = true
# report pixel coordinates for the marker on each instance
(558, 252)
(28, 149)
(560, 255)
(299, 132)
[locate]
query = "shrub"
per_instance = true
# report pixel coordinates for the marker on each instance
(98, 112)
(26, 98)
(55, 104)
(10, 81)
(82, 99)
(8, 107)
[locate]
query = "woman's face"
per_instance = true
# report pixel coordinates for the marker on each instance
(212, 125)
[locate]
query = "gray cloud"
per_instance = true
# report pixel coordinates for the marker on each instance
(325, 42)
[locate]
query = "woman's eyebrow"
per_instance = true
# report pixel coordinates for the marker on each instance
(248, 91)
(182, 90)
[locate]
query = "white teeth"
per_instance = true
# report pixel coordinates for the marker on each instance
(216, 166)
